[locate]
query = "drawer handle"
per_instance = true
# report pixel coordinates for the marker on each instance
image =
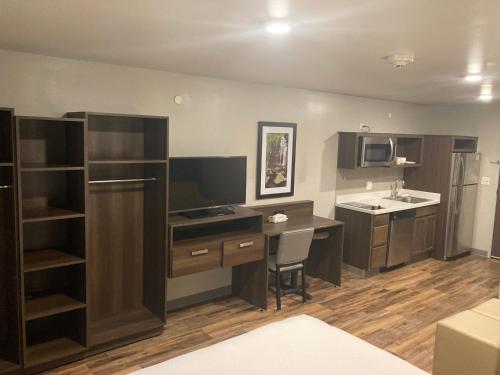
(199, 252)
(246, 244)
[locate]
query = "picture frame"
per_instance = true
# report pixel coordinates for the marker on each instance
(276, 159)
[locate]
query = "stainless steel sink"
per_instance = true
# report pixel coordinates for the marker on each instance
(408, 199)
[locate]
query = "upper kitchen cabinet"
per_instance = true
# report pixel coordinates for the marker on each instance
(364, 150)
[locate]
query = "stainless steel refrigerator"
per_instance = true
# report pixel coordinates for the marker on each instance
(462, 203)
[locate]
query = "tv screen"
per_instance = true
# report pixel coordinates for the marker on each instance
(197, 183)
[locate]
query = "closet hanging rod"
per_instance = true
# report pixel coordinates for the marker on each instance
(125, 180)
(4, 187)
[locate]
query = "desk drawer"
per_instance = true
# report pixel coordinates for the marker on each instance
(243, 250)
(193, 257)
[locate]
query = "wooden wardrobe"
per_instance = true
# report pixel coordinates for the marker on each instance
(86, 270)
(127, 160)
(10, 346)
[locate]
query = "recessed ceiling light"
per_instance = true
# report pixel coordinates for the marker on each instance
(473, 78)
(486, 97)
(278, 28)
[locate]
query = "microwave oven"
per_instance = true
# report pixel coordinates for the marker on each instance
(377, 151)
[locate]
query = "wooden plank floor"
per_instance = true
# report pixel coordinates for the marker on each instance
(396, 311)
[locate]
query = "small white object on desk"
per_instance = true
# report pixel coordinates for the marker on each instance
(277, 218)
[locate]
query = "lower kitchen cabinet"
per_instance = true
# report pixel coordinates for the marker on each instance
(425, 230)
(367, 237)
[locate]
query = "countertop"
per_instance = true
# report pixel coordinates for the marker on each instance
(376, 198)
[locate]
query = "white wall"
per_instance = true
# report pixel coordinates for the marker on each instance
(218, 117)
(482, 120)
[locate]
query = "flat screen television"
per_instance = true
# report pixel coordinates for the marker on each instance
(203, 183)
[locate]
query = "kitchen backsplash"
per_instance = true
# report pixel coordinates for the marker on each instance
(350, 181)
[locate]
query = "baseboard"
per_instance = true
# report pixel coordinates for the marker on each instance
(481, 253)
(198, 298)
(358, 271)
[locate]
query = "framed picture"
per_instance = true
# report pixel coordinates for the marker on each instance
(276, 159)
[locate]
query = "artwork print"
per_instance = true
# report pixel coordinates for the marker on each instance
(276, 159)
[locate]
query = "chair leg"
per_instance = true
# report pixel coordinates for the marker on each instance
(304, 286)
(278, 288)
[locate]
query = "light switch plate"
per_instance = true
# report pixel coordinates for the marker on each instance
(485, 180)
(369, 185)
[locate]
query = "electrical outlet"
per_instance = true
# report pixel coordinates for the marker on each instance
(485, 180)
(369, 185)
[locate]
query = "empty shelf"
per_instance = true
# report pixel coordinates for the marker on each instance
(52, 350)
(6, 164)
(129, 161)
(40, 167)
(48, 213)
(38, 260)
(50, 305)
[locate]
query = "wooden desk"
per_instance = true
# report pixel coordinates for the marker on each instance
(325, 256)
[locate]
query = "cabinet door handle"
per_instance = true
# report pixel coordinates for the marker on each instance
(199, 252)
(246, 244)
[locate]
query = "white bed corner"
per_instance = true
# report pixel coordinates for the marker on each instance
(298, 345)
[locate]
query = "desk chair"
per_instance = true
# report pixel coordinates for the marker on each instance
(293, 250)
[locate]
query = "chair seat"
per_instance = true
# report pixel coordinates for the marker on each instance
(272, 265)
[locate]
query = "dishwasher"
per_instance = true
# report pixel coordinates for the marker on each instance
(400, 237)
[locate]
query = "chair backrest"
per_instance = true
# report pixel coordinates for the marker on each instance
(294, 246)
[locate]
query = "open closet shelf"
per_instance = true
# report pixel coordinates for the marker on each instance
(31, 215)
(39, 260)
(43, 167)
(52, 350)
(51, 304)
(129, 161)
(6, 164)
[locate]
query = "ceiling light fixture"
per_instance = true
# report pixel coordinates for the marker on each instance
(473, 78)
(278, 28)
(399, 61)
(486, 97)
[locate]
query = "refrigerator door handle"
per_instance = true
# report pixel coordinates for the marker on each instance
(462, 165)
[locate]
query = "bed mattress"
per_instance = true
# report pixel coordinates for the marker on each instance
(297, 345)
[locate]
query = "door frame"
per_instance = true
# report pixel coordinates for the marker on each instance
(495, 245)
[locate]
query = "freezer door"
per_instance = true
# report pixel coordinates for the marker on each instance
(465, 221)
(450, 243)
(472, 165)
(461, 216)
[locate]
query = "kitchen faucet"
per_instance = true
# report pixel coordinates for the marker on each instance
(395, 189)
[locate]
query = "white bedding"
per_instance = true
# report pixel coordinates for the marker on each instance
(299, 345)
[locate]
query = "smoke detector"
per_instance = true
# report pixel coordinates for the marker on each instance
(399, 61)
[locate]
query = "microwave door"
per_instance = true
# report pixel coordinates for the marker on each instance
(377, 151)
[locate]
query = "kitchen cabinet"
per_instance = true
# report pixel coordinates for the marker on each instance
(409, 146)
(425, 230)
(367, 237)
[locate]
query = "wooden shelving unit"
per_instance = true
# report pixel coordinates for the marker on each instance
(34, 214)
(58, 177)
(127, 222)
(50, 305)
(52, 206)
(39, 260)
(52, 350)
(10, 338)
